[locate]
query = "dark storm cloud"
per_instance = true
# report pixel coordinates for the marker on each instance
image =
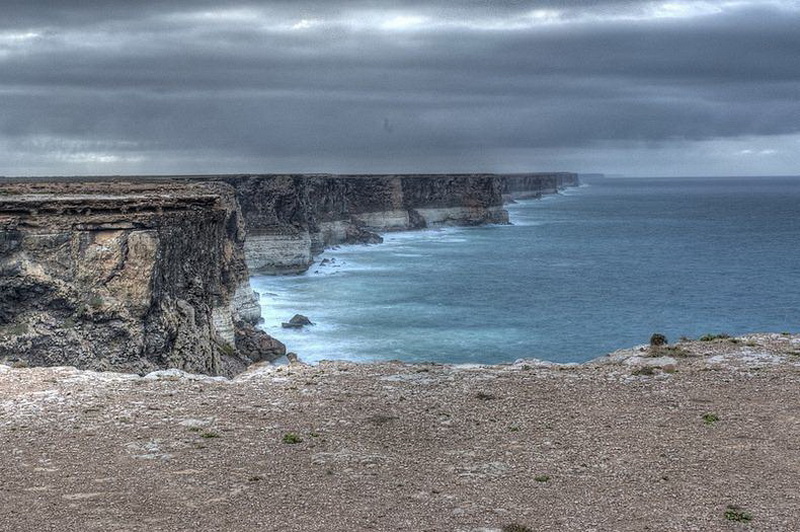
(180, 78)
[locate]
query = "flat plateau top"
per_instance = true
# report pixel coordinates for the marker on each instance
(211, 177)
(692, 436)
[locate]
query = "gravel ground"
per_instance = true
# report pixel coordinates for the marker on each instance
(644, 439)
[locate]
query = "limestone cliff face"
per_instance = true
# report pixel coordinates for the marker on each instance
(131, 277)
(519, 186)
(290, 218)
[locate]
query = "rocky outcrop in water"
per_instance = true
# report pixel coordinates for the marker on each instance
(131, 277)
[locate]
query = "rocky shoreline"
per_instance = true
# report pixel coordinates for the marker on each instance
(697, 435)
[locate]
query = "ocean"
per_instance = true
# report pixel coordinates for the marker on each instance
(578, 275)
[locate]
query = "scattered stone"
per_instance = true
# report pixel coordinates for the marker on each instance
(653, 362)
(298, 321)
(256, 345)
(174, 374)
(302, 320)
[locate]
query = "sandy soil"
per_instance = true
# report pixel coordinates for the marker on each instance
(640, 440)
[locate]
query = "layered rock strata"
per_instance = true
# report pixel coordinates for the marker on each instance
(522, 186)
(132, 277)
(291, 218)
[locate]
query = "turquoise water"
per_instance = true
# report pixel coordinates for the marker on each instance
(578, 275)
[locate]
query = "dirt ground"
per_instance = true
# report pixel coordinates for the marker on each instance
(695, 436)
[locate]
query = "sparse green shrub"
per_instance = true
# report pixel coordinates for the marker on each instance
(380, 419)
(712, 337)
(291, 438)
(484, 396)
(515, 527)
(643, 370)
(18, 329)
(710, 418)
(541, 478)
(658, 339)
(676, 351)
(737, 514)
(209, 434)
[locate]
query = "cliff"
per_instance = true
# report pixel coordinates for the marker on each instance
(132, 277)
(520, 186)
(290, 218)
(139, 274)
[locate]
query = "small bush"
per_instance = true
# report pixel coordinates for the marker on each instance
(378, 419)
(18, 329)
(658, 339)
(643, 370)
(737, 514)
(209, 434)
(712, 337)
(541, 478)
(514, 527)
(291, 438)
(710, 418)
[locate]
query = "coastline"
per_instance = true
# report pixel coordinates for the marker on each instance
(327, 338)
(604, 445)
(139, 274)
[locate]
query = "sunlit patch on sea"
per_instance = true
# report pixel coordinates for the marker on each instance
(578, 275)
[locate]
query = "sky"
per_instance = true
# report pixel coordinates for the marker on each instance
(102, 87)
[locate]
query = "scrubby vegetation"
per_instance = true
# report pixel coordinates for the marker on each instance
(712, 337)
(291, 438)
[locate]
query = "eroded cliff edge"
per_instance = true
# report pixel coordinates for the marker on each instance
(128, 277)
(291, 218)
(139, 274)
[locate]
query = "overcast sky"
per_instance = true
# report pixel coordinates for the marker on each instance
(187, 86)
